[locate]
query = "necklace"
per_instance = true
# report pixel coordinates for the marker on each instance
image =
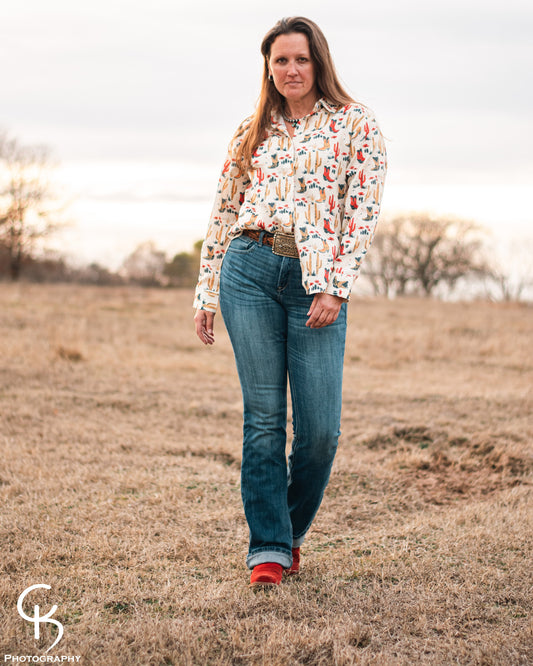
(293, 121)
(296, 121)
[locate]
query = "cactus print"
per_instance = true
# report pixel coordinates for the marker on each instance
(324, 185)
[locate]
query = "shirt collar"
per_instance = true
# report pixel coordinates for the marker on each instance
(323, 102)
(277, 118)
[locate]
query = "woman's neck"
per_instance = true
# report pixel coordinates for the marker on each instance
(299, 108)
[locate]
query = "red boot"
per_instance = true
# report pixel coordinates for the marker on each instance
(295, 566)
(269, 573)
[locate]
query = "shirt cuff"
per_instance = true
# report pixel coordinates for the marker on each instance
(340, 286)
(206, 301)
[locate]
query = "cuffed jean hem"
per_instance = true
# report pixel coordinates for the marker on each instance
(296, 543)
(269, 555)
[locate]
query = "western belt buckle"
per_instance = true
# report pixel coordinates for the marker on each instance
(284, 245)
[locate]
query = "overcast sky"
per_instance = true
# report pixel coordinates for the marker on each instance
(112, 80)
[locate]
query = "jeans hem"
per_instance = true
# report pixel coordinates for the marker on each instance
(297, 541)
(269, 555)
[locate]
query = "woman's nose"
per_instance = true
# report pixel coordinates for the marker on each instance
(292, 68)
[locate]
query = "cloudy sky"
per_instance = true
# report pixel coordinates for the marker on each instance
(138, 101)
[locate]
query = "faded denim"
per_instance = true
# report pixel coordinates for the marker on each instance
(265, 307)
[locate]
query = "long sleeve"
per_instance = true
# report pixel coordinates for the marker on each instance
(324, 183)
(365, 177)
(228, 200)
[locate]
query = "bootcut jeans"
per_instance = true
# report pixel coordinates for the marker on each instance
(264, 307)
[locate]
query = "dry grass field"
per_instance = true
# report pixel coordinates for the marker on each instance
(119, 485)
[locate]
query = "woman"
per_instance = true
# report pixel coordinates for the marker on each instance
(294, 215)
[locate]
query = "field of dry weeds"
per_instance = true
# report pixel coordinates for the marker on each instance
(119, 486)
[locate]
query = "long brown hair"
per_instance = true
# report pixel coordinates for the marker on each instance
(270, 100)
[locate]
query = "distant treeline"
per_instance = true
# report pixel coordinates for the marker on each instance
(414, 254)
(31, 213)
(146, 266)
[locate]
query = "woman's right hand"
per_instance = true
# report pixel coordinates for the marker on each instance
(203, 320)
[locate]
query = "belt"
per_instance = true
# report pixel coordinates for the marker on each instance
(283, 245)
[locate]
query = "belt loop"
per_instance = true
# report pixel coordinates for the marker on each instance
(261, 237)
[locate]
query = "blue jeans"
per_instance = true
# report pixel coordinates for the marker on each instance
(265, 307)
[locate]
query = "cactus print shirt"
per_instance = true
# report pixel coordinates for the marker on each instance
(323, 185)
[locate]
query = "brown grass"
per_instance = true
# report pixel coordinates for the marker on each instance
(119, 484)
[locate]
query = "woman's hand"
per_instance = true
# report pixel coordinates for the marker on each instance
(203, 320)
(324, 310)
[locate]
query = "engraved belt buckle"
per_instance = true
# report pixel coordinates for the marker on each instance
(284, 245)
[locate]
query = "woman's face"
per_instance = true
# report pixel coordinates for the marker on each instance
(292, 68)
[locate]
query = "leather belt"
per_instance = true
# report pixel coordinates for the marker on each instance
(283, 245)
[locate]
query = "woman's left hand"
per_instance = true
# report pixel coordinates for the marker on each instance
(324, 310)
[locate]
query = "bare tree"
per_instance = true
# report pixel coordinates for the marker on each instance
(511, 278)
(26, 215)
(145, 265)
(413, 254)
(385, 265)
